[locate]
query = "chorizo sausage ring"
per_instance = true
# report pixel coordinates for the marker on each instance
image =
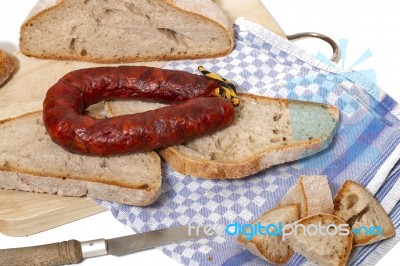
(194, 111)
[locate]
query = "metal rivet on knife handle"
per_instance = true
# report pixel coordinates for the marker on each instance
(62, 253)
(94, 248)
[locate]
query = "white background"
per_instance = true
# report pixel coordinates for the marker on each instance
(365, 24)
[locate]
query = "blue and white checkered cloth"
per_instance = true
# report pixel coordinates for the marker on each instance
(366, 149)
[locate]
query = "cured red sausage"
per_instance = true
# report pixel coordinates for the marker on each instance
(195, 111)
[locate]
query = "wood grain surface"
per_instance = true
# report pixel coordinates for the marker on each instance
(62, 253)
(25, 213)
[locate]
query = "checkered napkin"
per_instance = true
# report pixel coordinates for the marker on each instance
(366, 149)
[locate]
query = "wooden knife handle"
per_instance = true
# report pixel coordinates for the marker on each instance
(63, 253)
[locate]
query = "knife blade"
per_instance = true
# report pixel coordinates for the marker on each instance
(73, 251)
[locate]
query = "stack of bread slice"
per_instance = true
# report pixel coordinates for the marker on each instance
(103, 32)
(311, 200)
(266, 132)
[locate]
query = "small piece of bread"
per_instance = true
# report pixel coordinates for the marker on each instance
(269, 247)
(312, 193)
(8, 63)
(318, 248)
(126, 31)
(358, 207)
(30, 161)
(266, 132)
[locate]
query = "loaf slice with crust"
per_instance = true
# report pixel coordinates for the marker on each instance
(266, 132)
(270, 247)
(8, 63)
(30, 161)
(323, 249)
(312, 193)
(358, 207)
(126, 30)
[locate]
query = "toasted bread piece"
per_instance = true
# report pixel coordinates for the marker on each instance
(266, 132)
(8, 63)
(126, 31)
(269, 247)
(30, 161)
(358, 207)
(312, 193)
(321, 249)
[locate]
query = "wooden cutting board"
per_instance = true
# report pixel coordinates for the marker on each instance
(25, 213)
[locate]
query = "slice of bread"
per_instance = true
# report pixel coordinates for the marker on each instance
(312, 193)
(321, 249)
(266, 132)
(358, 207)
(126, 31)
(269, 247)
(30, 161)
(8, 63)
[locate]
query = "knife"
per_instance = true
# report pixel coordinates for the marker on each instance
(73, 251)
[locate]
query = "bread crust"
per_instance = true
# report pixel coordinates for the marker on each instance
(18, 180)
(312, 193)
(256, 248)
(314, 219)
(234, 170)
(8, 63)
(341, 195)
(317, 201)
(206, 10)
(118, 183)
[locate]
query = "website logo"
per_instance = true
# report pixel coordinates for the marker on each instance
(279, 229)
